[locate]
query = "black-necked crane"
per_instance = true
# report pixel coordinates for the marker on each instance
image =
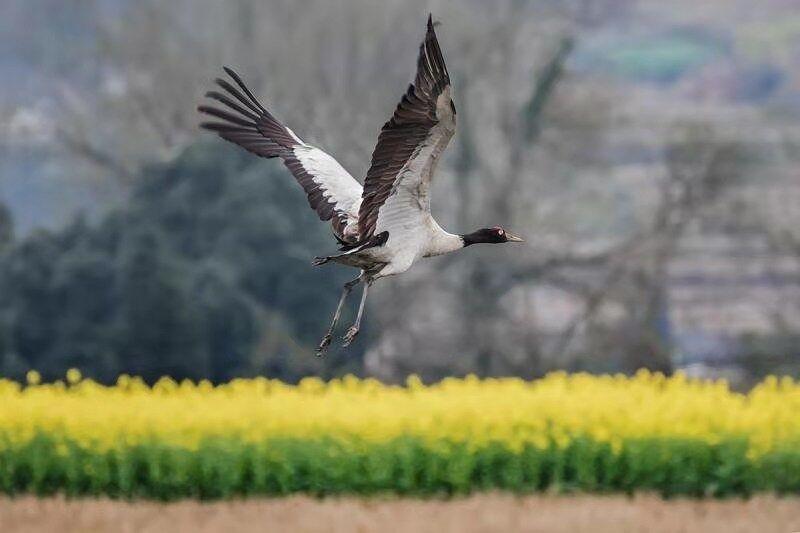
(386, 225)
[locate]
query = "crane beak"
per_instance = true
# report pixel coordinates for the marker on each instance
(513, 238)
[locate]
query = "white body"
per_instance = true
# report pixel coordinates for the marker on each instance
(406, 215)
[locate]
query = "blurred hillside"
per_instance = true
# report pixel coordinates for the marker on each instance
(646, 150)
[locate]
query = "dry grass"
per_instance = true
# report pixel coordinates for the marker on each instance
(489, 512)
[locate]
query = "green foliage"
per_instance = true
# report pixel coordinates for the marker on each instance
(224, 468)
(204, 274)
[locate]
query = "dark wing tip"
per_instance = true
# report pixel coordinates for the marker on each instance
(236, 78)
(432, 24)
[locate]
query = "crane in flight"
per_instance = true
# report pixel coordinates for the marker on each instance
(385, 226)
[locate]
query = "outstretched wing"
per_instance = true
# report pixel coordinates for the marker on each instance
(332, 192)
(410, 143)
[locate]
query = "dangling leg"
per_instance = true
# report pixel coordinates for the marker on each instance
(326, 340)
(353, 331)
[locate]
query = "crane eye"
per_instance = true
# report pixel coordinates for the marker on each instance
(500, 231)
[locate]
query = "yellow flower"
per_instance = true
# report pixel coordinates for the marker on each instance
(552, 410)
(73, 376)
(33, 377)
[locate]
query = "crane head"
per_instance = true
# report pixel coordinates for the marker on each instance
(493, 235)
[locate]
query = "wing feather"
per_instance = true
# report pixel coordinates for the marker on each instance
(331, 191)
(412, 140)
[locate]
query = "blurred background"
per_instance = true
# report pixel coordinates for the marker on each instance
(646, 150)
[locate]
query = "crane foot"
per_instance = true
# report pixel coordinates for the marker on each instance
(350, 336)
(322, 349)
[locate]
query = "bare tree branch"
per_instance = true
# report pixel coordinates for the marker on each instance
(80, 147)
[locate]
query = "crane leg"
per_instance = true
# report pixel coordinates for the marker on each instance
(326, 340)
(353, 331)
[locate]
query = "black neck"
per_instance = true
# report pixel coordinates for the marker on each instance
(476, 237)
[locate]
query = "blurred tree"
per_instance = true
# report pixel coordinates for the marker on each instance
(81, 289)
(7, 365)
(200, 276)
(158, 331)
(6, 226)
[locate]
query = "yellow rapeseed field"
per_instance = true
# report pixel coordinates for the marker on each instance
(510, 411)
